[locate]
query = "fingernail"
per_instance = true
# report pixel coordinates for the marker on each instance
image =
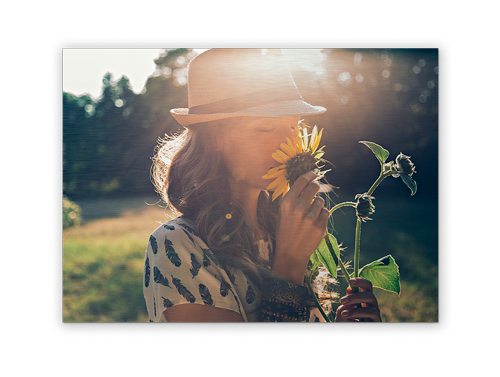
(345, 313)
(344, 299)
(352, 281)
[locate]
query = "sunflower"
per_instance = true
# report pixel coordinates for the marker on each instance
(298, 157)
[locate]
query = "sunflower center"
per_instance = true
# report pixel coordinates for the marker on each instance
(298, 165)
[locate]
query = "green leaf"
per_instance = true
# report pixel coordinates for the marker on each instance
(412, 185)
(325, 254)
(383, 273)
(314, 262)
(377, 150)
(333, 247)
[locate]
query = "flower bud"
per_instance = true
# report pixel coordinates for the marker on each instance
(364, 206)
(404, 165)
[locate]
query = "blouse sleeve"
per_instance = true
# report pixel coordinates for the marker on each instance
(179, 268)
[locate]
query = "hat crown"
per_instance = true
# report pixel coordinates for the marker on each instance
(228, 74)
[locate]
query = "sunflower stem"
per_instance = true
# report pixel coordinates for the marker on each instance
(345, 204)
(357, 240)
(356, 248)
(381, 177)
(356, 258)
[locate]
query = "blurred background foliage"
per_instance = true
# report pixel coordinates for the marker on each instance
(387, 96)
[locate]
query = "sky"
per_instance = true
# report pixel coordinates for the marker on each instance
(83, 69)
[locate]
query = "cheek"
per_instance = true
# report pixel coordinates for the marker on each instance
(245, 160)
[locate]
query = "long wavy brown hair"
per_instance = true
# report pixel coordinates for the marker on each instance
(189, 174)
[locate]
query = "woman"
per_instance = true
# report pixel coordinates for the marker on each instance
(235, 254)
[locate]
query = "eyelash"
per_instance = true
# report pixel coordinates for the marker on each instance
(266, 131)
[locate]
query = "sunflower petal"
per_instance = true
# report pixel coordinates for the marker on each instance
(280, 190)
(273, 170)
(280, 156)
(314, 134)
(291, 145)
(276, 174)
(289, 151)
(318, 139)
(276, 183)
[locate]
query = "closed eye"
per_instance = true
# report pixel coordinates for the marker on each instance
(266, 131)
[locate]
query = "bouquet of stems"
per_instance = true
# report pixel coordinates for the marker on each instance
(301, 155)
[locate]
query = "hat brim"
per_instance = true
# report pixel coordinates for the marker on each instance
(278, 109)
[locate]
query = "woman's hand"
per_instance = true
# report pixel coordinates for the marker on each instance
(349, 312)
(301, 226)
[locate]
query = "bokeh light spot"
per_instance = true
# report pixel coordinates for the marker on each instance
(386, 73)
(398, 87)
(359, 77)
(421, 63)
(416, 69)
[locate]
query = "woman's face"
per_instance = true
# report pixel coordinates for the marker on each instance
(248, 146)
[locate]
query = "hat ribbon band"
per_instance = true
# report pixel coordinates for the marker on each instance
(254, 99)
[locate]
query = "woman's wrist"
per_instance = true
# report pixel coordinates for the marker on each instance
(289, 267)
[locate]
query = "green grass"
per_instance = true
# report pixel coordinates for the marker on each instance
(103, 262)
(102, 267)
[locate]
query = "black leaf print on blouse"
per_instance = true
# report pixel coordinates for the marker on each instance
(183, 291)
(209, 254)
(159, 278)
(189, 229)
(231, 277)
(196, 265)
(187, 234)
(168, 227)
(224, 288)
(147, 272)
(154, 304)
(250, 295)
(206, 261)
(154, 244)
(171, 254)
(167, 303)
(205, 295)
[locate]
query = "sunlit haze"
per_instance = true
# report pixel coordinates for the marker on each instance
(83, 69)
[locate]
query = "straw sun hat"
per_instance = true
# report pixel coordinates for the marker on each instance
(225, 83)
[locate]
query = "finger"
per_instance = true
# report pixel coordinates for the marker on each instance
(300, 184)
(309, 193)
(363, 284)
(367, 298)
(344, 313)
(323, 217)
(370, 313)
(314, 209)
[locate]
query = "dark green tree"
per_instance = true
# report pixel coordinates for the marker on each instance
(108, 143)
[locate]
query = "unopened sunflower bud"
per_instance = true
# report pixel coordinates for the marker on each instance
(404, 165)
(364, 206)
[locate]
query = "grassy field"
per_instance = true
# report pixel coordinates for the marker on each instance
(103, 263)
